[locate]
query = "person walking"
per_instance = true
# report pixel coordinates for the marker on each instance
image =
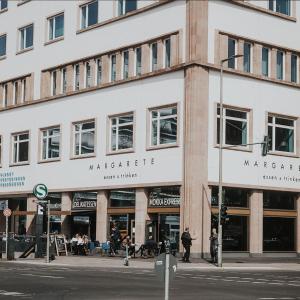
(187, 243)
(214, 245)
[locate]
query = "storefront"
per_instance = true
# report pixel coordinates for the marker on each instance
(18, 218)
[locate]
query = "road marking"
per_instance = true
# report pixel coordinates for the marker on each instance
(13, 294)
(243, 281)
(43, 276)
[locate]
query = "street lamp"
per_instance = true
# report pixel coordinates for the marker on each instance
(220, 196)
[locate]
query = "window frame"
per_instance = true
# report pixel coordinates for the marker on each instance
(73, 139)
(53, 85)
(109, 150)
(88, 79)
(5, 51)
(99, 63)
(53, 17)
(63, 84)
(113, 67)
(234, 60)
(249, 112)
(18, 163)
(76, 87)
(4, 8)
(273, 151)
(272, 5)
(283, 65)
(41, 139)
(5, 95)
(294, 55)
(149, 145)
(165, 64)
(86, 6)
(125, 67)
(122, 11)
(268, 61)
(153, 67)
(250, 56)
(20, 49)
(15, 92)
(137, 72)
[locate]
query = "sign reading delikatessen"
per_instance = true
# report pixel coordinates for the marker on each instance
(84, 201)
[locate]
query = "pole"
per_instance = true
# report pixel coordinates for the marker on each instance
(6, 231)
(167, 273)
(220, 169)
(48, 232)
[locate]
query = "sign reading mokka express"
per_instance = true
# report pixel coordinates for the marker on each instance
(84, 201)
(164, 197)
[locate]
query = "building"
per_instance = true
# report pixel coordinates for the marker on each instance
(114, 106)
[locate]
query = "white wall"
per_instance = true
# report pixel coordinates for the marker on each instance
(70, 174)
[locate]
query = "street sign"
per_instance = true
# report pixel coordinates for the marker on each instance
(7, 212)
(160, 267)
(40, 191)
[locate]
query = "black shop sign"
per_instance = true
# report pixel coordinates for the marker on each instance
(164, 202)
(82, 201)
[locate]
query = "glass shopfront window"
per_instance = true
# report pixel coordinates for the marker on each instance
(122, 198)
(279, 234)
(55, 208)
(167, 196)
(124, 223)
(18, 220)
(279, 200)
(233, 197)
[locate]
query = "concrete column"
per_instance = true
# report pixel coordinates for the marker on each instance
(141, 205)
(206, 222)
(273, 63)
(19, 100)
(223, 51)
(66, 204)
(145, 58)
(93, 71)
(287, 71)
(256, 223)
(131, 63)
(240, 50)
(174, 49)
(105, 69)
(31, 207)
(160, 54)
(10, 88)
(70, 78)
(257, 57)
(45, 85)
(101, 216)
(298, 225)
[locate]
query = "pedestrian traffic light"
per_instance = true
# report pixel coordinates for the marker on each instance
(224, 216)
(265, 145)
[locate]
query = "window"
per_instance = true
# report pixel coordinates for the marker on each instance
(125, 6)
(281, 132)
(279, 200)
(23, 90)
(121, 132)
(16, 90)
(231, 52)
(50, 143)
(53, 83)
(125, 64)
(294, 69)
(99, 71)
(88, 75)
(153, 57)
(76, 77)
(113, 73)
(5, 95)
(122, 198)
(3, 45)
(279, 65)
(84, 138)
(138, 61)
(235, 127)
(3, 4)
(89, 14)
(56, 27)
(265, 61)
(64, 80)
(167, 44)
(20, 147)
(232, 197)
(163, 126)
(280, 6)
(26, 37)
(247, 57)
(0, 150)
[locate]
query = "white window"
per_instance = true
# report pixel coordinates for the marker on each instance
(265, 66)
(280, 6)
(125, 64)
(63, 80)
(247, 57)
(89, 14)
(281, 132)
(235, 127)
(231, 52)
(84, 138)
(20, 147)
(167, 56)
(16, 91)
(99, 71)
(121, 133)
(23, 90)
(53, 83)
(280, 65)
(3, 45)
(125, 6)
(113, 71)
(26, 37)
(88, 75)
(3, 4)
(138, 61)
(50, 143)
(5, 95)
(76, 77)
(163, 124)
(55, 27)
(153, 57)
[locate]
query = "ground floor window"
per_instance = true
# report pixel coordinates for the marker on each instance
(279, 234)
(125, 223)
(84, 223)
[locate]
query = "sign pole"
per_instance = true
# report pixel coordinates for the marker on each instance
(6, 231)
(48, 231)
(167, 272)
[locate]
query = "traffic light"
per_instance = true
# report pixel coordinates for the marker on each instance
(224, 216)
(265, 146)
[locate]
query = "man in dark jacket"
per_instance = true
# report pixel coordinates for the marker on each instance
(187, 243)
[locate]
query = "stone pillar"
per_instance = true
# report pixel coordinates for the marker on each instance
(31, 208)
(257, 57)
(19, 100)
(298, 225)
(101, 216)
(174, 49)
(141, 205)
(287, 71)
(66, 202)
(70, 78)
(145, 58)
(58, 81)
(1, 95)
(206, 222)
(105, 69)
(10, 88)
(81, 75)
(240, 50)
(93, 72)
(223, 50)
(119, 66)
(256, 223)
(273, 63)
(160, 54)
(131, 70)
(45, 85)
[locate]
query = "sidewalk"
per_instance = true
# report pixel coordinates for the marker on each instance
(140, 263)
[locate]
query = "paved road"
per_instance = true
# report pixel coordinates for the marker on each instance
(43, 282)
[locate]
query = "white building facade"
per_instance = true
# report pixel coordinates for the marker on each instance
(114, 106)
